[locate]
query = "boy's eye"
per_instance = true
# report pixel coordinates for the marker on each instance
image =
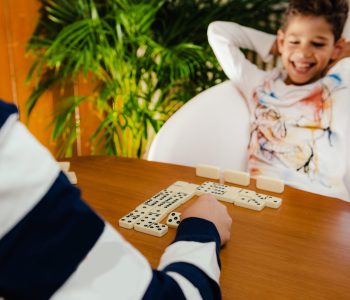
(318, 45)
(293, 42)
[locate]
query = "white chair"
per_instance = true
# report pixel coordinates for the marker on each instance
(212, 128)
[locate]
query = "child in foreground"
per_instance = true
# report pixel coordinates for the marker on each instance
(54, 246)
(299, 113)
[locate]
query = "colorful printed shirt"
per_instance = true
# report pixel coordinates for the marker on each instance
(298, 133)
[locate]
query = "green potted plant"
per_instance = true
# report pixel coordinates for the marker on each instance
(148, 58)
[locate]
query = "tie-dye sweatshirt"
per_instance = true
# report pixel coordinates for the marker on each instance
(299, 133)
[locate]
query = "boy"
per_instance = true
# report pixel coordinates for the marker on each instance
(53, 246)
(299, 114)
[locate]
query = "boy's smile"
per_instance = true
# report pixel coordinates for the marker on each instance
(301, 64)
(306, 46)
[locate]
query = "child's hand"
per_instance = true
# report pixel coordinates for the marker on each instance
(343, 53)
(274, 49)
(208, 208)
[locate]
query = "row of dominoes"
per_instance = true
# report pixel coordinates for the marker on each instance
(65, 165)
(146, 217)
(238, 196)
(242, 178)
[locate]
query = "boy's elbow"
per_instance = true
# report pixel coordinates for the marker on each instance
(210, 29)
(213, 27)
(213, 30)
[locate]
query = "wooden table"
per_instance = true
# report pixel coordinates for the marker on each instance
(299, 251)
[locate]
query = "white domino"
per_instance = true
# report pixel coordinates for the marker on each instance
(237, 177)
(165, 207)
(230, 196)
(155, 229)
(161, 196)
(149, 218)
(213, 188)
(174, 219)
(167, 200)
(163, 211)
(269, 184)
(190, 188)
(250, 202)
(273, 202)
(183, 196)
(189, 191)
(71, 177)
(64, 165)
(249, 193)
(130, 219)
(270, 201)
(144, 207)
(187, 188)
(177, 186)
(208, 171)
(219, 191)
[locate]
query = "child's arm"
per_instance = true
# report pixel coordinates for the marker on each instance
(53, 245)
(345, 46)
(344, 53)
(226, 39)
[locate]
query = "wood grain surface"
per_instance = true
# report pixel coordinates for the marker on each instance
(299, 251)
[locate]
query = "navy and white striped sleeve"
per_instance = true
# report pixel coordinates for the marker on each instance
(45, 229)
(53, 245)
(190, 266)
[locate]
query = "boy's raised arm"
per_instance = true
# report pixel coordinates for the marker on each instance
(226, 40)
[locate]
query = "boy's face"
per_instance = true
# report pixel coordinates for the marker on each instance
(306, 46)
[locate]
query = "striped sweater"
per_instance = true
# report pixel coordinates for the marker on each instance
(54, 246)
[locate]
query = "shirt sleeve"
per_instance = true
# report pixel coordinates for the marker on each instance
(46, 230)
(190, 266)
(53, 245)
(226, 40)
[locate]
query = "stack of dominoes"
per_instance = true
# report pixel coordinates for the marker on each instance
(147, 216)
(238, 196)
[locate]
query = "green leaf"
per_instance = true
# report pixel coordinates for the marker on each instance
(148, 57)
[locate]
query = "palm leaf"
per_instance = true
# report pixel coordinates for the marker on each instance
(149, 57)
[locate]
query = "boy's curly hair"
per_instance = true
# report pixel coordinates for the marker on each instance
(335, 12)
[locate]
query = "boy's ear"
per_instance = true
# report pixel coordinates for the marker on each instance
(338, 49)
(280, 39)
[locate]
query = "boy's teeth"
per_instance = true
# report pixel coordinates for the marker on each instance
(302, 65)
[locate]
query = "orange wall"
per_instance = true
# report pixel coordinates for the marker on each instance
(17, 22)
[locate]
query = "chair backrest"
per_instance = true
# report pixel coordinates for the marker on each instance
(212, 128)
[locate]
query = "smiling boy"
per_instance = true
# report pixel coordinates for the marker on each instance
(310, 39)
(299, 113)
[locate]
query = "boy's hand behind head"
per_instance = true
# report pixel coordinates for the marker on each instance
(344, 52)
(274, 49)
(208, 208)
